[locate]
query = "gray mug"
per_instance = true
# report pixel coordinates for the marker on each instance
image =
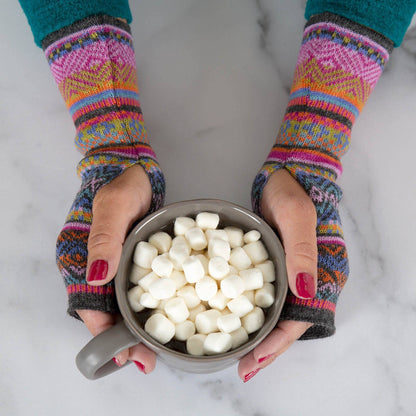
(95, 359)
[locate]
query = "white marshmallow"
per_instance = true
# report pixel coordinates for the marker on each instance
(252, 278)
(162, 266)
(264, 297)
(196, 238)
(219, 248)
(228, 323)
(232, 286)
(178, 278)
(163, 303)
(137, 272)
(189, 295)
(176, 310)
(147, 280)
(184, 330)
(195, 344)
(239, 337)
(133, 296)
(144, 253)
(219, 301)
(253, 321)
(204, 261)
(221, 234)
(195, 311)
(233, 270)
(239, 258)
(178, 253)
(217, 343)
(193, 269)
(207, 220)
(218, 267)
(268, 271)
(163, 288)
(182, 225)
(180, 240)
(206, 288)
(240, 306)
(161, 240)
(206, 322)
(148, 301)
(249, 294)
(235, 236)
(160, 328)
(251, 236)
(256, 251)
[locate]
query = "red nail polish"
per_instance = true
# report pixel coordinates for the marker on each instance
(250, 375)
(305, 285)
(266, 357)
(98, 271)
(116, 362)
(140, 366)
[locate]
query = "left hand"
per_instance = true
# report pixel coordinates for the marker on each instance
(287, 207)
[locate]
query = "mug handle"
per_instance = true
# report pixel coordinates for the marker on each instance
(95, 359)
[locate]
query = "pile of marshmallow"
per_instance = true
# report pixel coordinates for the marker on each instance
(206, 286)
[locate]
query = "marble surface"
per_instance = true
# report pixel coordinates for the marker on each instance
(214, 78)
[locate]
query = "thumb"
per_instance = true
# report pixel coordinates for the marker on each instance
(116, 207)
(287, 206)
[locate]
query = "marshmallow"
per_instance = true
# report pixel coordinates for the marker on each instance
(264, 297)
(160, 328)
(206, 322)
(193, 269)
(219, 248)
(137, 272)
(178, 278)
(182, 225)
(239, 337)
(204, 261)
(217, 343)
(207, 220)
(147, 280)
(252, 278)
(163, 288)
(206, 288)
(162, 304)
(162, 241)
(239, 258)
(240, 306)
(253, 321)
(251, 236)
(232, 286)
(133, 296)
(228, 323)
(249, 294)
(148, 301)
(162, 266)
(196, 238)
(180, 240)
(218, 267)
(233, 270)
(256, 251)
(195, 344)
(189, 295)
(221, 234)
(184, 330)
(144, 253)
(176, 310)
(235, 236)
(219, 301)
(268, 271)
(195, 311)
(178, 253)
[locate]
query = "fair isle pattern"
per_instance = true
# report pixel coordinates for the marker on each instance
(336, 71)
(94, 66)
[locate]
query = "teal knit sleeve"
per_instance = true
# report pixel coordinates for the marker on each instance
(391, 18)
(46, 16)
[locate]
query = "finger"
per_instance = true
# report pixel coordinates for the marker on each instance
(287, 206)
(115, 208)
(143, 358)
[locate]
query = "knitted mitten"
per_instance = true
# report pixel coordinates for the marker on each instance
(94, 66)
(338, 66)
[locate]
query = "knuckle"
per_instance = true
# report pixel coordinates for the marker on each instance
(100, 239)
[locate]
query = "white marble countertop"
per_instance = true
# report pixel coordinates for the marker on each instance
(214, 80)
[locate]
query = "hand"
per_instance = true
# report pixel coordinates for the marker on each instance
(116, 207)
(287, 207)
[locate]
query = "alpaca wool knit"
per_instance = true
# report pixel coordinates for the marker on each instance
(338, 66)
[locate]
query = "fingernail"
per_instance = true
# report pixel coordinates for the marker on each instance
(250, 375)
(98, 271)
(266, 357)
(116, 362)
(305, 285)
(140, 366)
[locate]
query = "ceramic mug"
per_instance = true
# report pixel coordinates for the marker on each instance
(95, 359)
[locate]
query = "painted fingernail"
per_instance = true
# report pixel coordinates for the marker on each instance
(116, 362)
(98, 271)
(250, 375)
(305, 285)
(140, 366)
(266, 357)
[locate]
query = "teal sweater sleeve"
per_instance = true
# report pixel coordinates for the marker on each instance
(391, 18)
(47, 16)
